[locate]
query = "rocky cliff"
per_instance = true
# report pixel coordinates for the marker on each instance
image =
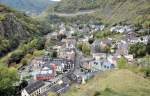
(16, 27)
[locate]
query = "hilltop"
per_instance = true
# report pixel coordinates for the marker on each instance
(113, 83)
(29, 6)
(111, 11)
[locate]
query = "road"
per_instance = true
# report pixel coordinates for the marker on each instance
(74, 14)
(77, 62)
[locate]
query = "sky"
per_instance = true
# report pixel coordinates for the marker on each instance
(55, 0)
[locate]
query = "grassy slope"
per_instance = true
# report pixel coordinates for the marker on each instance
(109, 10)
(115, 83)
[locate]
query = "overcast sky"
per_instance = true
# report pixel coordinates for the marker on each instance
(55, 0)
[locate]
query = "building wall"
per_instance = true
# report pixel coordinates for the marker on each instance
(24, 93)
(35, 93)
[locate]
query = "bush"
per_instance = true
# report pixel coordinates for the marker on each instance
(91, 40)
(147, 72)
(122, 62)
(24, 61)
(138, 49)
(79, 46)
(8, 76)
(103, 34)
(54, 54)
(40, 44)
(85, 48)
(97, 93)
(16, 57)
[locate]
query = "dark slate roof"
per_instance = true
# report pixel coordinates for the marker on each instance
(60, 61)
(59, 88)
(34, 86)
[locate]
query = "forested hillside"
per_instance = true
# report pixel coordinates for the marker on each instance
(28, 5)
(109, 10)
(16, 27)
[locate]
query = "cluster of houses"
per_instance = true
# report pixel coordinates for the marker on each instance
(122, 28)
(99, 60)
(81, 28)
(36, 88)
(102, 60)
(45, 68)
(104, 56)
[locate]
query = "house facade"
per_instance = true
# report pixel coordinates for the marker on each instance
(34, 89)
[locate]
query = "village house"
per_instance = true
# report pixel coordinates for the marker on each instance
(62, 29)
(99, 45)
(122, 29)
(99, 56)
(101, 65)
(122, 48)
(85, 63)
(97, 65)
(83, 40)
(129, 57)
(34, 89)
(112, 59)
(143, 39)
(46, 73)
(59, 46)
(86, 76)
(67, 54)
(72, 31)
(47, 68)
(70, 42)
(53, 35)
(106, 42)
(97, 48)
(62, 65)
(37, 62)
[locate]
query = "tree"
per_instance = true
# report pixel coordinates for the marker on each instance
(122, 63)
(51, 94)
(91, 40)
(146, 24)
(61, 36)
(147, 72)
(103, 34)
(138, 49)
(148, 47)
(86, 49)
(16, 57)
(40, 44)
(79, 46)
(54, 54)
(23, 84)
(24, 61)
(8, 76)
(107, 48)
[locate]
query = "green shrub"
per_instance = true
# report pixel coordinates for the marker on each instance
(122, 62)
